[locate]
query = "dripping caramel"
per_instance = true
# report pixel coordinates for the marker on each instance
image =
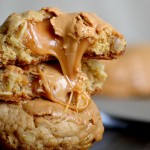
(41, 39)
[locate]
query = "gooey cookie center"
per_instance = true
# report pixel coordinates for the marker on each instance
(41, 39)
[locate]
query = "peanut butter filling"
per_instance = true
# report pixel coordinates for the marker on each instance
(42, 40)
(52, 84)
(69, 51)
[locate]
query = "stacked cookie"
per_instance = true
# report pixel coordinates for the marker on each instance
(49, 69)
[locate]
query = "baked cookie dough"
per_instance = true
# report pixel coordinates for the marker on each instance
(50, 66)
(43, 125)
(35, 36)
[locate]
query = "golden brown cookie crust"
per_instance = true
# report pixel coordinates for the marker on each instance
(41, 125)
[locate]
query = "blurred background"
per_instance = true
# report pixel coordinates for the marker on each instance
(126, 119)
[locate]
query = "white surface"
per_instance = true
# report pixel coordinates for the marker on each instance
(129, 109)
(130, 17)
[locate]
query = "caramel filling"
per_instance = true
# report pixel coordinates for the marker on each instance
(52, 84)
(41, 40)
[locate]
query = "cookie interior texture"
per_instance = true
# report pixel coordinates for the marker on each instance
(22, 36)
(30, 82)
(50, 67)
